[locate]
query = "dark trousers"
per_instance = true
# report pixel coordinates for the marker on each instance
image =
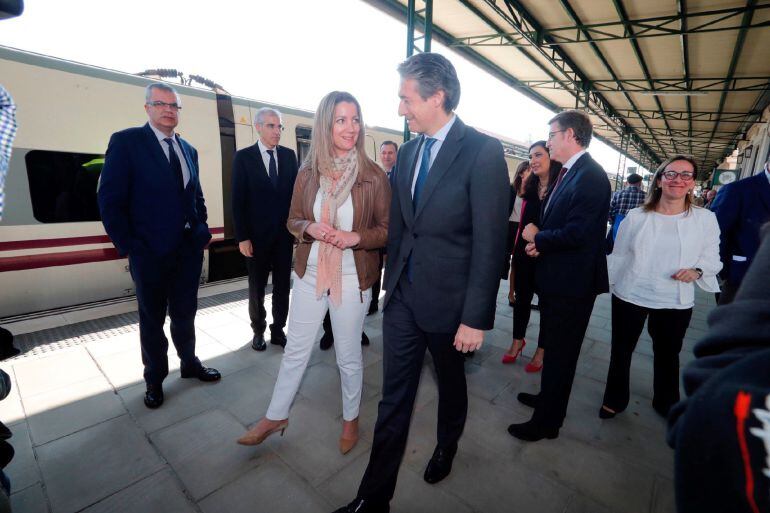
(524, 288)
(167, 284)
(729, 289)
(667, 328)
(404, 350)
(563, 324)
(376, 287)
(275, 259)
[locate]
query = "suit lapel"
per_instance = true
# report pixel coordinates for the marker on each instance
(260, 171)
(157, 152)
(404, 182)
(188, 159)
(569, 177)
(446, 155)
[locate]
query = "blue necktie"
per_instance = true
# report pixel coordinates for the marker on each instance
(422, 175)
(176, 166)
(273, 171)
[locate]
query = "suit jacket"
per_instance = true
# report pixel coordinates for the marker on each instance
(741, 208)
(141, 205)
(573, 228)
(260, 210)
(455, 235)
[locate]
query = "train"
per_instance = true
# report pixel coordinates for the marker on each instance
(54, 252)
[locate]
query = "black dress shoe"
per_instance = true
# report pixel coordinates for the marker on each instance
(153, 397)
(202, 373)
(528, 399)
(327, 340)
(530, 432)
(258, 342)
(364, 339)
(440, 465)
(364, 506)
(278, 338)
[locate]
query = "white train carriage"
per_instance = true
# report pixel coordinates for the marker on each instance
(54, 252)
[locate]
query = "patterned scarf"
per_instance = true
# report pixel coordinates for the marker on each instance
(336, 180)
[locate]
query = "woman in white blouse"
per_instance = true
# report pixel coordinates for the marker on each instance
(662, 250)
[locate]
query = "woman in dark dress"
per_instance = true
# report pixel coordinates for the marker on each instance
(535, 191)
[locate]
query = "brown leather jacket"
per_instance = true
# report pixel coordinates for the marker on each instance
(371, 211)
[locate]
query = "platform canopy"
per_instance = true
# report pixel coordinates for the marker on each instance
(658, 77)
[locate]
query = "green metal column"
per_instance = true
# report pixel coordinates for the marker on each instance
(412, 19)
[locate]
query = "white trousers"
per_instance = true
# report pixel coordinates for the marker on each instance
(306, 314)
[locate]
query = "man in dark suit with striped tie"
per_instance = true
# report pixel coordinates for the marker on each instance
(263, 182)
(152, 207)
(571, 268)
(448, 222)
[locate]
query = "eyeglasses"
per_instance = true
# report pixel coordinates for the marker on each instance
(685, 176)
(160, 105)
(551, 134)
(273, 126)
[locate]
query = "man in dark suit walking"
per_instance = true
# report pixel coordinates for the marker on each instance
(263, 181)
(448, 222)
(152, 207)
(741, 208)
(571, 268)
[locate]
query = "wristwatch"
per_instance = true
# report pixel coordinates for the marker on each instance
(699, 271)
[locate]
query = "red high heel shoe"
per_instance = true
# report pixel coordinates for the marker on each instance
(511, 358)
(531, 367)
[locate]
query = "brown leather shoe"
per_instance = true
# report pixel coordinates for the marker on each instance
(349, 437)
(264, 428)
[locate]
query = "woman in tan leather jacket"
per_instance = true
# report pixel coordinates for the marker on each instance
(339, 214)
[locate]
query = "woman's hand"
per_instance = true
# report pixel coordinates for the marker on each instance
(686, 275)
(319, 231)
(342, 239)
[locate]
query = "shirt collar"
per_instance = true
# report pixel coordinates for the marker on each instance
(160, 135)
(263, 148)
(444, 130)
(573, 159)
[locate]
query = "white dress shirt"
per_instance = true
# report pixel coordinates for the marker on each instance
(439, 137)
(266, 156)
(161, 136)
(516, 213)
(651, 247)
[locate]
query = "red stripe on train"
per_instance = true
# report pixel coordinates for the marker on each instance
(68, 241)
(21, 263)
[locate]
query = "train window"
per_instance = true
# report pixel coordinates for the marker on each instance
(62, 185)
(304, 134)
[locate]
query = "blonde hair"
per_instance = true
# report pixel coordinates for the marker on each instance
(321, 152)
(655, 192)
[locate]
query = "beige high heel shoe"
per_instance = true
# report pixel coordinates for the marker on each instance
(264, 428)
(349, 437)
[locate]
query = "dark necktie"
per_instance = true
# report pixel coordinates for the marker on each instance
(273, 171)
(422, 175)
(176, 166)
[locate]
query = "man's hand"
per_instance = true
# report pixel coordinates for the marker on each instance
(319, 231)
(342, 239)
(529, 232)
(245, 248)
(468, 339)
(531, 250)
